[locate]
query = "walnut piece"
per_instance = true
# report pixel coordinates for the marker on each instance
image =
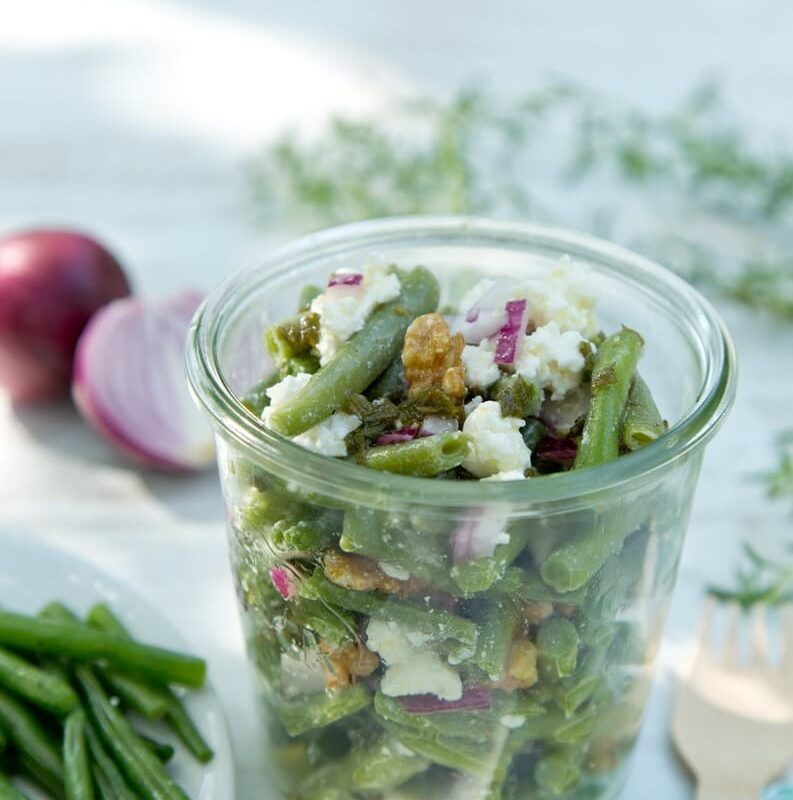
(520, 671)
(433, 357)
(362, 574)
(346, 663)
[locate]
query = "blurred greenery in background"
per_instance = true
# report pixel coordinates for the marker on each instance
(690, 188)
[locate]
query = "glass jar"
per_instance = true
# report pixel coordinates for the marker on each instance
(496, 677)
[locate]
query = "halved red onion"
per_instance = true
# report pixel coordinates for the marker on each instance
(401, 435)
(129, 382)
(478, 698)
(283, 580)
(433, 425)
(345, 279)
(510, 334)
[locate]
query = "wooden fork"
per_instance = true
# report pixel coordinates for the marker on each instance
(733, 720)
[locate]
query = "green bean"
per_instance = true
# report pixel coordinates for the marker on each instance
(292, 337)
(582, 555)
(29, 768)
(361, 359)
(384, 766)
(527, 584)
(111, 782)
(424, 457)
(305, 535)
(8, 791)
(3, 740)
(391, 384)
(432, 621)
(452, 753)
(557, 771)
(557, 640)
(148, 701)
(329, 622)
(643, 422)
(141, 767)
(77, 770)
(479, 575)
(164, 751)
(612, 373)
(297, 365)
(256, 399)
(160, 697)
(575, 690)
(497, 626)
(81, 643)
(30, 739)
(316, 711)
(35, 685)
(472, 726)
(307, 295)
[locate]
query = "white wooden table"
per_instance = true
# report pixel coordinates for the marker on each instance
(129, 118)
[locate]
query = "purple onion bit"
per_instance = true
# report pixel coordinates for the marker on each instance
(283, 580)
(477, 698)
(401, 435)
(508, 337)
(560, 451)
(345, 279)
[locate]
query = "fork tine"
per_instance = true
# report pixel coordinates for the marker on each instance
(759, 634)
(704, 633)
(732, 644)
(786, 622)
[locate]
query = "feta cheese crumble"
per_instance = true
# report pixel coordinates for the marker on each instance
(512, 721)
(343, 310)
(565, 294)
(481, 369)
(496, 443)
(551, 359)
(394, 571)
(507, 475)
(411, 669)
(326, 438)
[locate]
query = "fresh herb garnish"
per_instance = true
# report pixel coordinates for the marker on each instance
(760, 580)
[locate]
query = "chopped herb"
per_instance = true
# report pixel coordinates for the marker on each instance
(294, 337)
(432, 402)
(516, 396)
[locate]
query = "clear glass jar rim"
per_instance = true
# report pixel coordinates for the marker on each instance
(332, 476)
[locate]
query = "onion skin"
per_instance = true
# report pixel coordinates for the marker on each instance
(129, 383)
(51, 283)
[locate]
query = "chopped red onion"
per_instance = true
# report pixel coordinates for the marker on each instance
(129, 382)
(433, 425)
(509, 335)
(561, 451)
(401, 435)
(477, 698)
(477, 537)
(487, 315)
(283, 580)
(345, 279)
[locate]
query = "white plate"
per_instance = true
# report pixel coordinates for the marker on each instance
(33, 573)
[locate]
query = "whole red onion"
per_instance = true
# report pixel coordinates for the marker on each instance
(51, 283)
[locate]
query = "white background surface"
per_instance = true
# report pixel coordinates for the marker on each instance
(131, 117)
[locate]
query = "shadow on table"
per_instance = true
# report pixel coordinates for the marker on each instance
(59, 428)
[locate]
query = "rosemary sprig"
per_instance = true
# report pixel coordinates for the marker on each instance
(759, 580)
(476, 155)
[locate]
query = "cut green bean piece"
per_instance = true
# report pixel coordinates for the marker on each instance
(305, 535)
(148, 701)
(612, 374)
(256, 399)
(30, 738)
(77, 641)
(3, 740)
(527, 584)
(557, 640)
(384, 766)
(479, 575)
(164, 751)
(362, 358)
(424, 457)
(643, 422)
(30, 769)
(8, 791)
(581, 556)
(141, 767)
(391, 384)
(317, 711)
(497, 627)
(558, 771)
(452, 753)
(77, 771)
(35, 685)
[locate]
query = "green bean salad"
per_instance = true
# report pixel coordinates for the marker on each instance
(411, 655)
